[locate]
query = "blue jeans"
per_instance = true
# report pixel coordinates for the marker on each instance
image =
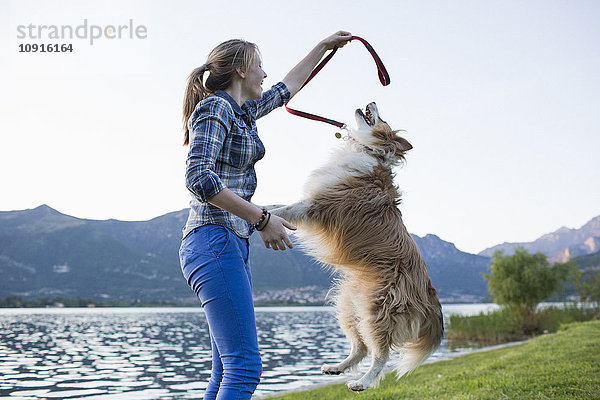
(214, 261)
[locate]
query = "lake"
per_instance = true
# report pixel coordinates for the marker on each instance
(162, 353)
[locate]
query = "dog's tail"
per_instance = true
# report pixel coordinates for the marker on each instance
(431, 332)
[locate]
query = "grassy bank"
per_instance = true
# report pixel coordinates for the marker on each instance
(504, 325)
(564, 365)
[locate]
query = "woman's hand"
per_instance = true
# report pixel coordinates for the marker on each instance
(299, 74)
(339, 39)
(274, 234)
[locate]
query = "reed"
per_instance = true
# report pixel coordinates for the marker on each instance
(507, 325)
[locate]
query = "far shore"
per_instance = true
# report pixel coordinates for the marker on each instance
(60, 302)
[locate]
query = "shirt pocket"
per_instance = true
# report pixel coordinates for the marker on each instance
(240, 146)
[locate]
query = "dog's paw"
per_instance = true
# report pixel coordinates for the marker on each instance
(330, 370)
(356, 386)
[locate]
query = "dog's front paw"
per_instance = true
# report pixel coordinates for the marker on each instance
(330, 369)
(356, 386)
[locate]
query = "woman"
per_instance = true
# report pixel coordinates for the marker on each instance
(219, 119)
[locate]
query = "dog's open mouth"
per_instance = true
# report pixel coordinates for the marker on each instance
(367, 115)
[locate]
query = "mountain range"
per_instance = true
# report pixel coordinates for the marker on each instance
(560, 245)
(46, 253)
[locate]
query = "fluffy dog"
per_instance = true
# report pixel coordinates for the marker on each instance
(350, 220)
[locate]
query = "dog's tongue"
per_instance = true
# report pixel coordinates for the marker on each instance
(369, 115)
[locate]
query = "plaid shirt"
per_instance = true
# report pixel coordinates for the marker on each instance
(224, 146)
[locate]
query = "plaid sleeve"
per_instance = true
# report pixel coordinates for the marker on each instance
(275, 97)
(208, 127)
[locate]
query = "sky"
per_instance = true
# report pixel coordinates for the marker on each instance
(500, 100)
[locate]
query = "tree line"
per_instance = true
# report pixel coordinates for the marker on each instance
(19, 302)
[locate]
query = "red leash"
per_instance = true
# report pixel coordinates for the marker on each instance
(384, 78)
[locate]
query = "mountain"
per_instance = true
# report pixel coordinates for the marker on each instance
(271, 270)
(456, 275)
(46, 253)
(561, 245)
(589, 261)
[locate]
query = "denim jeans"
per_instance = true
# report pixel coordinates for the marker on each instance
(214, 261)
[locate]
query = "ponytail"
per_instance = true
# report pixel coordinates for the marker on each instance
(195, 92)
(222, 63)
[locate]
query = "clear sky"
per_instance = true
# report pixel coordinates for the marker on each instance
(500, 99)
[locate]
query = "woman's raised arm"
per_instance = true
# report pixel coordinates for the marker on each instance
(300, 73)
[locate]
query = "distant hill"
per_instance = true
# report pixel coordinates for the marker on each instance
(561, 245)
(589, 261)
(46, 253)
(456, 275)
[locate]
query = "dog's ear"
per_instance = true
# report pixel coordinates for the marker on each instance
(402, 144)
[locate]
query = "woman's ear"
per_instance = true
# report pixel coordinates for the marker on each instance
(240, 73)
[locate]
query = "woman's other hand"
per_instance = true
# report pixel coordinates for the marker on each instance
(339, 39)
(274, 234)
(295, 79)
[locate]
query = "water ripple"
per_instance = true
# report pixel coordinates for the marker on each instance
(115, 354)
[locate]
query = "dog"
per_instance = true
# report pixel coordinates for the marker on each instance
(349, 220)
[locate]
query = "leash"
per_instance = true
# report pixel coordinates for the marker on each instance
(384, 78)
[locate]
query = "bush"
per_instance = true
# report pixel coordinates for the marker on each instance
(506, 325)
(521, 281)
(488, 328)
(586, 282)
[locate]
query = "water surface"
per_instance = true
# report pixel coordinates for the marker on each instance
(160, 353)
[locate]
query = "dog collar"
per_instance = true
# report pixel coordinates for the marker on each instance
(367, 149)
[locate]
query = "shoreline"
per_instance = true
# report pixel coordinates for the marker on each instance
(344, 377)
(562, 365)
(86, 303)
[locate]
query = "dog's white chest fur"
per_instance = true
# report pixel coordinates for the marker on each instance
(343, 163)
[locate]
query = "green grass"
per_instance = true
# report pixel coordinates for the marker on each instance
(563, 365)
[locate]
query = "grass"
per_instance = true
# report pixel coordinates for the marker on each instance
(563, 365)
(505, 325)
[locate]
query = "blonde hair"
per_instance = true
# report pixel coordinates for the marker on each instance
(222, 63)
